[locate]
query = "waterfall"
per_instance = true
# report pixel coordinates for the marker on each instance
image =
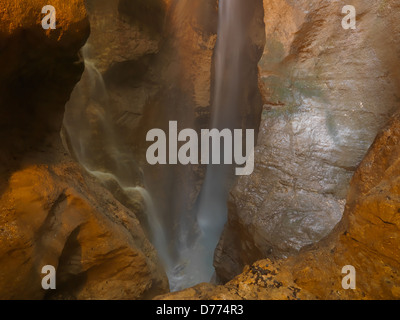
(196, 263)
(89, 135)
(159, 238)
(212, 209)
(89, 132)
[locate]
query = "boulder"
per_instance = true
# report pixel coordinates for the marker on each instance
(327, 92)
(366, 238)
(51, 211)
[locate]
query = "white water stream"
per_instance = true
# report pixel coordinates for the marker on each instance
(93, 142)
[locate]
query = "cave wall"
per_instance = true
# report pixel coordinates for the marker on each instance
(52, 212)
(367, 238)
(327, 92)
(155, 70)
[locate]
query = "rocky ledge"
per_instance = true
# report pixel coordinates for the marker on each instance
(367, 238)
(52, 212)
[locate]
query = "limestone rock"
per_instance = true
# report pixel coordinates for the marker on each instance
(201, 291)
(367, 238)
(147, 72)
(327, 92)
(261, 281)
(55, 215)
(51, 211)
(71, 20)
(120, 32)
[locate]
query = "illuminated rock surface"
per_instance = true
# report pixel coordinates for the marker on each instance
(367, 238)
(327, 92)
(52, 212)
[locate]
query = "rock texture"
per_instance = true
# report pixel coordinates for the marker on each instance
(367, 238)
(51, 211)
(52, 214)
(327, 92)
(147, 71)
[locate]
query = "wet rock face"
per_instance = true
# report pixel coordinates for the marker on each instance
(154, 60)
(367, 238)
(123, 31)
(327, 92)
(52, 212)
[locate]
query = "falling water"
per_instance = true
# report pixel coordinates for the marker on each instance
(212, 210)
(196, 263)
(91, 138)
(158, 234)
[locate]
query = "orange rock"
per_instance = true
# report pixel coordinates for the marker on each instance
(51, 211)
(368, 238)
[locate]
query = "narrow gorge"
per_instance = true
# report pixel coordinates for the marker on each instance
(77, 191)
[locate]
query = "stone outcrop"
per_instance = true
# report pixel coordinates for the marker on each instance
(327, 92)
(51, 211)
(150, 71)
(367, 238)
(54, 214)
